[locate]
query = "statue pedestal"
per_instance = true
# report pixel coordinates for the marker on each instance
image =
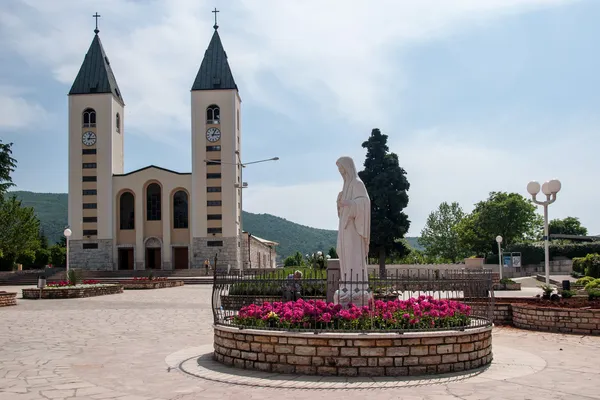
(359, 298)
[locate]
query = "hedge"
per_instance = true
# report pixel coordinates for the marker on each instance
(533, 253)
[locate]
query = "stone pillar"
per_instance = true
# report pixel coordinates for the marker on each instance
(333, 278)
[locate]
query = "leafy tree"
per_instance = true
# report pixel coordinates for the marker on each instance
(7, 166)
(42, 257)
(295, 260)
(332, 253)
(62, 242)
(509, 215)
(567, 226)
(387, 186)
(43, 240)
(439, 236)
(19, 228)
(58, 256)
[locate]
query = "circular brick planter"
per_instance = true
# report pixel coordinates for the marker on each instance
(69, 293)
(140, 285)
(8, 299)
(556, 319)
(352, 354)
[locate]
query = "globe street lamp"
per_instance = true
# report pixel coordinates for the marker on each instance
(241, 185)
(550, 189)
(67, 234)
(499, 241)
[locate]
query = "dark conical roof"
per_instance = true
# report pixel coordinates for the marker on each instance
(214, 72)
(95, 74)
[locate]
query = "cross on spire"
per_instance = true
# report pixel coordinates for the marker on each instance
(215, 11)
(96, 16)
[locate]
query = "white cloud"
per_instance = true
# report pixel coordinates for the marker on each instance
(336, 52)
(17, 113)
(443, 169)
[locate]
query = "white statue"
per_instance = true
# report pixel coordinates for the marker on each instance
(354, 212)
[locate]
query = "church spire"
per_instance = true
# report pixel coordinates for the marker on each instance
(214, 72)
(95, 74)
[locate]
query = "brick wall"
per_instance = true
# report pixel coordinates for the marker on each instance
(33, 294)
(565, 320)
(133, 285)
(8, 299)
(353, 354)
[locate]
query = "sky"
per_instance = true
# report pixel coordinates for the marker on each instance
(475, 96)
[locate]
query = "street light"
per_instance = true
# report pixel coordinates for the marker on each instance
(499, 241)
(67, 234)
(550, 189)
(241, 185)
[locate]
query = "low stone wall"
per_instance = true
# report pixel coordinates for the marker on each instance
(352, 354)
(556, 319)
(507, 286)
(137, 285)
(69, 293)
(8, 299)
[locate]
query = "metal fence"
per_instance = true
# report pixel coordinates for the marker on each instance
(404, 300)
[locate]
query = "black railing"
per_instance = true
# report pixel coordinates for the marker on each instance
(402, 301)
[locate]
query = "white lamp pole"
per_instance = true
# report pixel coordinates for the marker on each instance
(240, 186)
(550, 189)
(67, 234)
(499, 241)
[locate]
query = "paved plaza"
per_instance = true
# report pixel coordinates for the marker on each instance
(151, 345)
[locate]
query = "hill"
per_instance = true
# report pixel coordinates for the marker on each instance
(51, 209)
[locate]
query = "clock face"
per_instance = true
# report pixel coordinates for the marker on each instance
(213, 134)
(89, 138)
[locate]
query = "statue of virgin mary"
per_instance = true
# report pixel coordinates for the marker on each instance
(354, 213)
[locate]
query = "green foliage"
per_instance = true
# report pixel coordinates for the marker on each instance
(42, 257)
(26, 258)
(43, 239)
(509, 215)
(566, 294)
(505, 281)
(294, 260)
(548, 289)
(73, 277)
(594, 294)
(332, 253)
(439, 236)
(7, 167)
(592, 265)
(387, 186)
(19, 228)
(533, 253)
(567, 226)
(58, 256)
(592, 285)
(584, 281)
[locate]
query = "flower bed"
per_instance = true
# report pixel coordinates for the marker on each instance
(420, 313)
(557, 319)
(72, 291)
(354, 354)
(8, 299)
(147, 283)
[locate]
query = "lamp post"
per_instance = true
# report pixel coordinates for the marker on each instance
(241, 186)
(499, 241)
(67, 234)
(550, 189)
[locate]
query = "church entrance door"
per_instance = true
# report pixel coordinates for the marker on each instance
(152, 258)
(180, 257)
(125, 259)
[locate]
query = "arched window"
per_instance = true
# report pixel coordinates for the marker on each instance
(213, 114)
(127, 211)
(118, 122)
(89, 117)
(153, 203)
(180, 210)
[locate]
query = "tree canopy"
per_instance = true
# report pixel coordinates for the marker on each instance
(509, 215)
(567, 226)
(440, 236)
(19, 228)
(387, 186)
(7, 167)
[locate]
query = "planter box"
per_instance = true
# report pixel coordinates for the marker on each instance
(141, 285)
(474, 262)
(8, 299)
(72, 292)
(507, 286)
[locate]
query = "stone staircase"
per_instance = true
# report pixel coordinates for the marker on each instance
(30, 277)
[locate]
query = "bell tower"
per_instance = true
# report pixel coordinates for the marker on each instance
(96, 114)
(216, 155)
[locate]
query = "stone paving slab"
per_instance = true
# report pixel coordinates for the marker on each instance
(121, 347)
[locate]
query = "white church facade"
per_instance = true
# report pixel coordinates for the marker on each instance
(155, 218)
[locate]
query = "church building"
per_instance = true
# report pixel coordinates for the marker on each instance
(155, 218)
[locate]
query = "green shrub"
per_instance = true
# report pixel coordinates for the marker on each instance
(594, 294)
(592, 285)
(584, 281)
(533, 253)
(505, 281)
(579, 265)
(592, 265)
(58, 256)
(73, 277)
(567, 294)
(42, 257)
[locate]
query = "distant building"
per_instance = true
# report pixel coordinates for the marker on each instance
(155, 218)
